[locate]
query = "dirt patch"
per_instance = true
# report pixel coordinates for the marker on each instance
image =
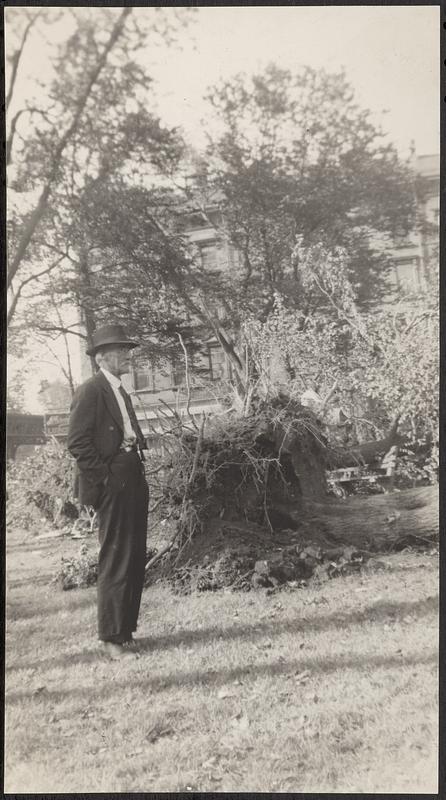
(244, 558)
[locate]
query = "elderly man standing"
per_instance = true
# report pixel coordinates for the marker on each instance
(107, 442)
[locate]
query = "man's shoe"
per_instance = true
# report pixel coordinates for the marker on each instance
(115, 650)
(132, 644)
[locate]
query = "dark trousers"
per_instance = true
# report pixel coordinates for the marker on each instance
(122, 518)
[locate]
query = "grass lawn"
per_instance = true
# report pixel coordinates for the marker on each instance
(328, 689)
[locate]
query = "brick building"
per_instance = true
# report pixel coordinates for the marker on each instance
(412, 255)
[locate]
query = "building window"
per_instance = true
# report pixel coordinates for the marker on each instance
(162, 378)
(178, 372)
(143, 378)
(209, 256)
(235, 257)
(217, 363)
(407, 274)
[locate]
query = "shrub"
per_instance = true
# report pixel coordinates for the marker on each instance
(79, 571)
(40, 488)
(370, 357)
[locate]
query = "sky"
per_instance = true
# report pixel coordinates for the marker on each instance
(390, 55)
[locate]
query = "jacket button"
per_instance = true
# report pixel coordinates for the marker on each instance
(111, 428)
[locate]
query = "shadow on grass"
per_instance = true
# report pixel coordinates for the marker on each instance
(16, 611)
(34, 543)
(394, 568)
(29, 580)
(378, 613)
(339, 620)
(214, 678)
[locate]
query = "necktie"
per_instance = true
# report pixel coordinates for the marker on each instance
(132, 416)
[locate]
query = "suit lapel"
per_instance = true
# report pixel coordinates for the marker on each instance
(110, 400)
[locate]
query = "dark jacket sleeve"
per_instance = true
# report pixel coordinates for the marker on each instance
(81, 433)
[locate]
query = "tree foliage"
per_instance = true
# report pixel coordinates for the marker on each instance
(369, 357)
(40, 489)
(297, 157)
(93, 119)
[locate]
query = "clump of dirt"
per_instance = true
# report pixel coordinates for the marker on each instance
(240, 569)
(247, 557)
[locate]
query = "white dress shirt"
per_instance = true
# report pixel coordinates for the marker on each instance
(115, 383)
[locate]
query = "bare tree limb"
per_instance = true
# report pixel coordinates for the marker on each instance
(61, 329)
(163, 550)
(64, 253)
(13, 127)
(417, 320)
(228, 347)
(156, 505)
(197, 453)
(187, 381)
(69, 371)
(34, 277)
(65, 373)
(329, 395)
(190, 481)
(344, 316)
(12, 131)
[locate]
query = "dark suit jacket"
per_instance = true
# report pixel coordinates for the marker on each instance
(95, 435)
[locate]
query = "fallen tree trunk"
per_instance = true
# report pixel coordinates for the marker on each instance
(388, 521)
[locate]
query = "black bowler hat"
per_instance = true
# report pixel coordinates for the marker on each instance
(109, 334)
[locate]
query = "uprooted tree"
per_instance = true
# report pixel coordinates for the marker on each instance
(247, 497)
